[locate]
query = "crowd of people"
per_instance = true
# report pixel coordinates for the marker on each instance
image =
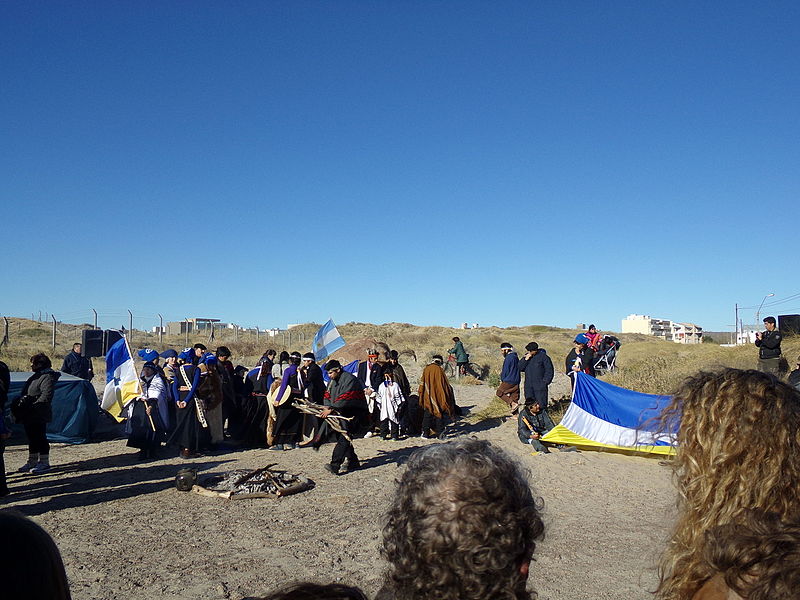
(463, 522)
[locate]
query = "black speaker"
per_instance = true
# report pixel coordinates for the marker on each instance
(92, 343)
(789, 324)
(110, 337)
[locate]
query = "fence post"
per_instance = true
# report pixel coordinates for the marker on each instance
(186, 319)
(256, 335)
(160, 329)
(95, 318)
(54, 331)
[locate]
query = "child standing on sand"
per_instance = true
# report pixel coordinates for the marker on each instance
(391, 400)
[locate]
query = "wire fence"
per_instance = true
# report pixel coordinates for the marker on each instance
(140, 327)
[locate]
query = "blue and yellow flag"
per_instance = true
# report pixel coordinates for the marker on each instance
(122, 384)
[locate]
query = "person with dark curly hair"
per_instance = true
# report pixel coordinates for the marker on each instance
(758, 559)
(315, 591)
(738, 450)
(462, 525)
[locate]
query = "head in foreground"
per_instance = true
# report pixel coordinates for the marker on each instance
(462, 525)
(315, 591)
(738, 449)
(30, 563)
(758, 559)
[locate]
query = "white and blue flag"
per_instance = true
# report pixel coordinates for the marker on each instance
(327, 341)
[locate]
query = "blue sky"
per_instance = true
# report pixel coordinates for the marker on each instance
(503, 163)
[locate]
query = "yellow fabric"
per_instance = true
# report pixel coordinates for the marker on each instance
(561, 435)
(127, 391)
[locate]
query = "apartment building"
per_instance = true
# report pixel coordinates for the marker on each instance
(670, 331)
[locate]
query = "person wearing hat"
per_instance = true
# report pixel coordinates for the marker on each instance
(210, 391)
(538, 369)
(508, 390)
(593, 336)
(190, 415)
(370, 374)
(145, 426)
(462, 358)
(436, 398)
(580, 359)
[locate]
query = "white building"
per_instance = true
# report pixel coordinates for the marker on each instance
(680, 333)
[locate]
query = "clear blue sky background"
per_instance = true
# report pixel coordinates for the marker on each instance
(504, 163)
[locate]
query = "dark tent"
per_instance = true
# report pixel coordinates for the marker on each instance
(75, 408)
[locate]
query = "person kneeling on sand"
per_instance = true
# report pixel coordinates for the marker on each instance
(534, 423)
(462, 525)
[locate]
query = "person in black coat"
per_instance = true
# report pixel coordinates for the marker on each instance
(34, 410)
(538, 369)
(370, 374)
(312, 375)
(77, 365)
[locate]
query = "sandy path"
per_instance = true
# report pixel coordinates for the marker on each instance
(124, 530)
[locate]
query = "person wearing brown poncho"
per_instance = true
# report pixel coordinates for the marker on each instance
(435, 397)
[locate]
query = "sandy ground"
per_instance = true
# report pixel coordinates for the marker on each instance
(126, 532)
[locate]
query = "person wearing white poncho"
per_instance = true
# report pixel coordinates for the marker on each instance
(391, 400)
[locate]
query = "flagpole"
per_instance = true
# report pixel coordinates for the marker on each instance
(138, 381)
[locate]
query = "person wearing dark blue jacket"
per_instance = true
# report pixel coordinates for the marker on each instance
(538, 369)
(508, 390)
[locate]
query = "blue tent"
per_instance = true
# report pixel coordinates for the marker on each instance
(75, 408)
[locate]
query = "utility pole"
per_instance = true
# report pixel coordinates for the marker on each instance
(95, 318)
(736, 322)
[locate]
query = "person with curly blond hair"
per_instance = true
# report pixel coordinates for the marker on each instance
(462, 525)
(738, 450)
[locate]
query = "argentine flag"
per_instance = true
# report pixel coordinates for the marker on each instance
(327, 341)
(122, 384)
